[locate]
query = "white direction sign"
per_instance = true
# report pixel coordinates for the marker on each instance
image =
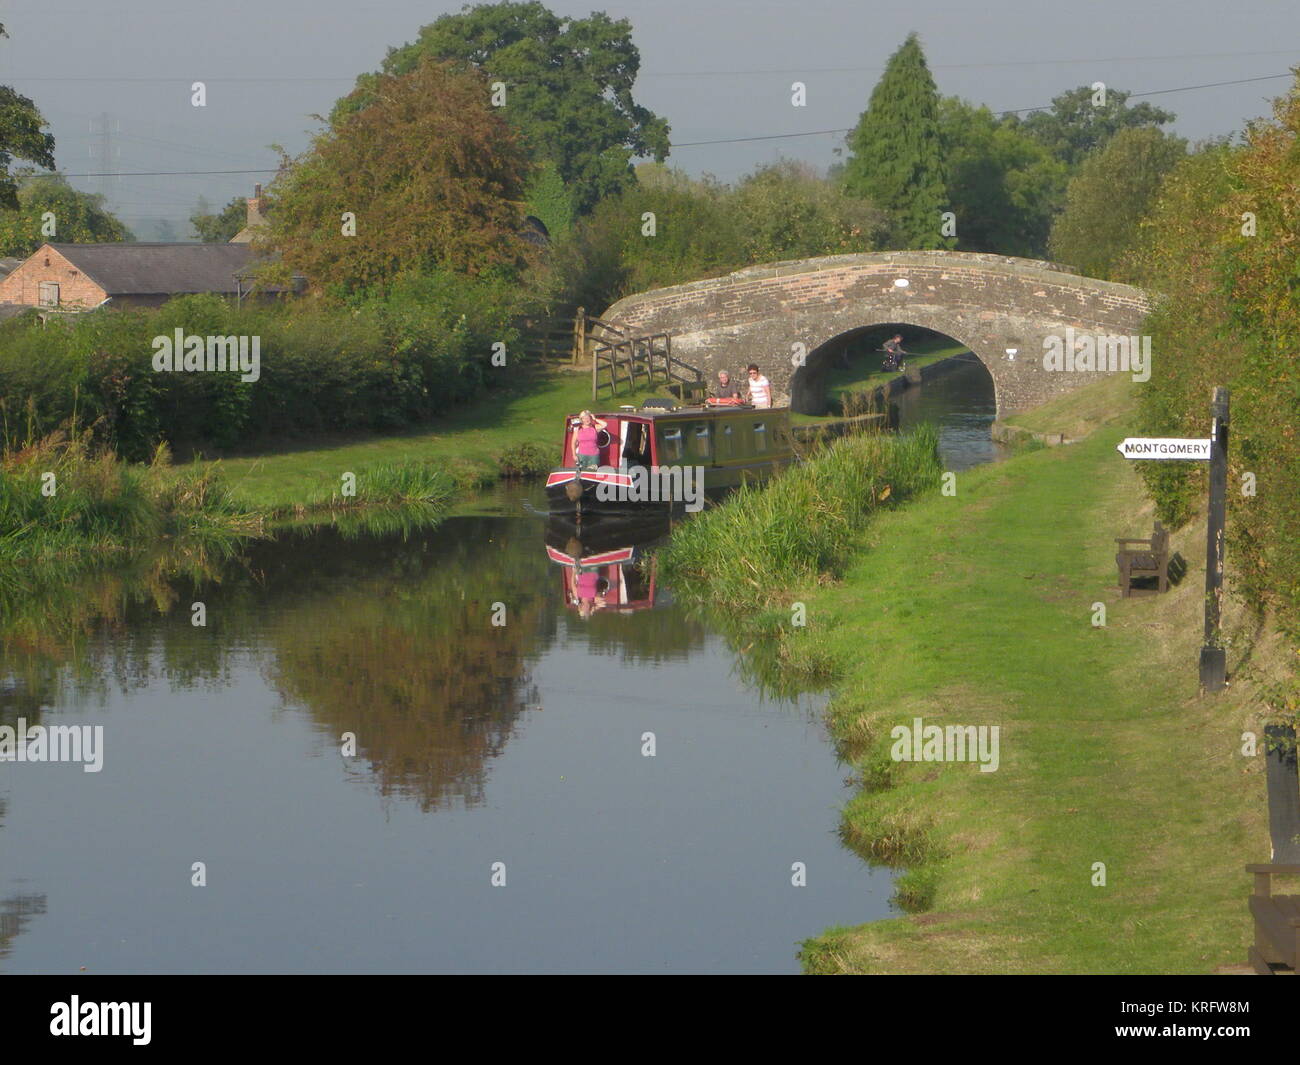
(1150, 447)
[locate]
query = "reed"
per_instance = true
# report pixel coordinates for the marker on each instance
(414, 487)
(798, 529)
(64, 504)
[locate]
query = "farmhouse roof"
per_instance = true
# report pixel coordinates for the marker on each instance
(149, 269)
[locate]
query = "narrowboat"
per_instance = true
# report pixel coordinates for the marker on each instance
(666, 456)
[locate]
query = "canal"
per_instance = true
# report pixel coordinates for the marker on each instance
(418, 752)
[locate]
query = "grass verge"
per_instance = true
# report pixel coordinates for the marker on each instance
(516, 432)
(977, 609)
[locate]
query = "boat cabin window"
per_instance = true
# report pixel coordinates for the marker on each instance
(703, 446)
(760, 436)
(672, 444)
(724, 448)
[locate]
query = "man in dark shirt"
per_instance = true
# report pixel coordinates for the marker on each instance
(725, 389)
(894, 352)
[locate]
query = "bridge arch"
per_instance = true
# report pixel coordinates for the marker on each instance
(808, 383)
(1001, 308)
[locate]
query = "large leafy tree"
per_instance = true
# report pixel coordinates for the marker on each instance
(787, 211)
(568, 87)
(1110, 195)
(434, 177)
(1075, 126)
(22, 136)
(1003, 185)
(897, 159)
(79, 217)
(609, 253)
(218, 228)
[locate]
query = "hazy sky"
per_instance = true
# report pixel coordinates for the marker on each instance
(713, 69)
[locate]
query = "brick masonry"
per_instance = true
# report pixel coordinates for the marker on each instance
(76, 290)
(990, 303)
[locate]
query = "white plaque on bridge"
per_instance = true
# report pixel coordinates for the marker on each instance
(1155, 447)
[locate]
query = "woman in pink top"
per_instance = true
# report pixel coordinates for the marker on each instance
(760, 388)
(586, 441)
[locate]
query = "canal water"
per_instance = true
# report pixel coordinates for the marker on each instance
(960, 402)
(416, 752)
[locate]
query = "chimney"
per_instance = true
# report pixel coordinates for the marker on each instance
(255, 217)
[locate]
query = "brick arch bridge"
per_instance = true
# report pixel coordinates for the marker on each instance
(1000, 307)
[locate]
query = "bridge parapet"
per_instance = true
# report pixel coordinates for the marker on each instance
(1002, 308)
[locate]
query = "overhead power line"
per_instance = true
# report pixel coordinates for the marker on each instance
(279, 78)
(729, 140)
(1007, 111)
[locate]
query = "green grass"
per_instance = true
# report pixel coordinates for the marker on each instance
(64, 508)
(976, 609)
(1078, 413)
(466, 445)
(864, 373)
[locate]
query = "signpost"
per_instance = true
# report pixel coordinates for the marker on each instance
(1214, 668)
(1156, 447)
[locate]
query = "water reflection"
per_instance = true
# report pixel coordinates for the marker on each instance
(15, 914)
(224, 740)
(961, 403)
(604, 560)
(399, 647)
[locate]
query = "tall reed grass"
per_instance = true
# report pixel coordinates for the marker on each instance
(63, 503)
(763, 542)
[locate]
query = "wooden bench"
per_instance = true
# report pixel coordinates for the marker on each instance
(1147, 558)
(1277, 922)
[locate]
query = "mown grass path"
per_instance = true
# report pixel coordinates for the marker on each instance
(977, 610)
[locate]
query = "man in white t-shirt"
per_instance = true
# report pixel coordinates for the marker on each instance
(760, 388)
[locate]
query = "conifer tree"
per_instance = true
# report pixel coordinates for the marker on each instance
(897, 152)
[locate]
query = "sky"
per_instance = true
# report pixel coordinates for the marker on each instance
(715, 70)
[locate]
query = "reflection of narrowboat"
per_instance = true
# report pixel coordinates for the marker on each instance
(600, 572)
(664, 456)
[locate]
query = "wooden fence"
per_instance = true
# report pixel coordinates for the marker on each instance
(616, 356)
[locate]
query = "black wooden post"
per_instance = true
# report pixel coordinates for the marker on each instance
(1283, 787)
(1214, 661)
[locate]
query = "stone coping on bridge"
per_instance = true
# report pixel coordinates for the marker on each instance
(1028, 269)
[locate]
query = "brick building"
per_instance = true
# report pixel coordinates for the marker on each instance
(81, 277)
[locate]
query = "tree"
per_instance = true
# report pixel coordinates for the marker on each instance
(1109, 197)
(1219, 246)
(432, 175)
(568, 87)
(220, 227)
(550, 201)
(786, 211)
(1003, 186)
(1075, 126)
(78, 217)
(21, 137)
(616, 250)
(897, 152)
